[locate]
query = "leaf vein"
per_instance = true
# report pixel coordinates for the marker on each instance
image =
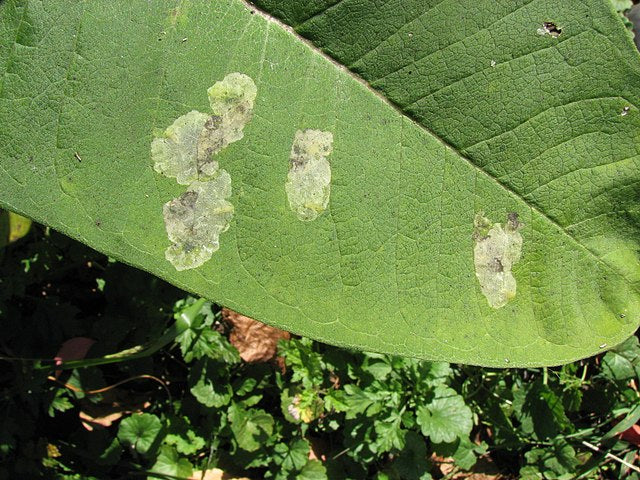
(561, 228)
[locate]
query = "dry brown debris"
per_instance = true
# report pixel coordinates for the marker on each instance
(115, 404)
(214, 474)
(255, 341)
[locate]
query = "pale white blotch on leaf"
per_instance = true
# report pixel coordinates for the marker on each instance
(497, 248)
(185, 150)
(308, 183)
(195, 220)
(231, 102)
(175, 153)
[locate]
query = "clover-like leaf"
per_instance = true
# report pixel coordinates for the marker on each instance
(140, 432)
(169, 463)
(294, 456)
(446, 417)
(313, 470)
(206, 342)
(250, 427)
(389, 434)
(181, 435)
(209, 384)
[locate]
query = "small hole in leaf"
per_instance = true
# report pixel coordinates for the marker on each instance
(550, 28)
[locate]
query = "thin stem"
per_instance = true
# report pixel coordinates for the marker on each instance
(584, 373)
(611, 456)
(189, 318)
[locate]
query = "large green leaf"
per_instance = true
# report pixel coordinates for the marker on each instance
(484, 109)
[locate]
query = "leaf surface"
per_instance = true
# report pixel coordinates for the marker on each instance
(446, 417)
(439, 110)
(140, 432)
(250, 427)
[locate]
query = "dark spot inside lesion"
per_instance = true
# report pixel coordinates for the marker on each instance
(296, 160)
(214, 122)
(188, 199)
(187, 247)
(201, 165)
(206, 151)
(552, 29)
(513, 222)
(184, 203)
(495, 265)
(296, 163)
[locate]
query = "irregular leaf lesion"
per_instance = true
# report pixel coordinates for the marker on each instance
(549, 28)
(195, 220)
(231, 101)
(186, 148)
(497, 248)
(185, 151)
(308, 183)
(174, 154)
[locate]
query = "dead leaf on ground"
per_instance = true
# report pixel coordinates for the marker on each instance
(484, 469)
(632, 435)
(255, 341)
(114, 405)
(318, 449)
(214, 474)
(73, 349)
